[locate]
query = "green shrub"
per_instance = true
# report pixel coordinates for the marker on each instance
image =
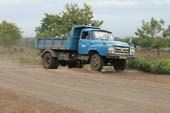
(163, 67)
(160, 67)
(140, 63)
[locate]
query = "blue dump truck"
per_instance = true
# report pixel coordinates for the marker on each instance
(86, 45)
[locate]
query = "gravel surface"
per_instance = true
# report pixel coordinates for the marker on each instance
(32, 89)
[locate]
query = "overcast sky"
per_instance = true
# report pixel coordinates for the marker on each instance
(122, 17)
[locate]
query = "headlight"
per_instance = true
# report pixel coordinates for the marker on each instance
(111, 50)
(132, 51)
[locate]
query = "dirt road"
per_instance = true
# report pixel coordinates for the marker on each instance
(32, 89)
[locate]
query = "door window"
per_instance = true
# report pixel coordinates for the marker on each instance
(85, 35)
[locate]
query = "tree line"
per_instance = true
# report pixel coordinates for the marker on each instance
(60, 24)
(151, 34)
(10, 34)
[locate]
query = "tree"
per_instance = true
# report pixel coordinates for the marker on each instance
(10, 34)
(60, 24)
(166, 33)
(151, 34)
(151, 29)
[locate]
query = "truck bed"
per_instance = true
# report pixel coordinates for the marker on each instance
(52, 43)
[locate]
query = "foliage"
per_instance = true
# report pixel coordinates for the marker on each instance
(26, 43)
(60, 24)
(151, 34)
(163, 66)
(158, 43)
(166, 33)
(136, 41)
(141, 63)
(145, 42)
(151, 29)
(10, 34)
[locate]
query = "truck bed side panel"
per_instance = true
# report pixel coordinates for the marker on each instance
(55, 43)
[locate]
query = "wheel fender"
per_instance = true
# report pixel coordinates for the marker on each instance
(100, 52)
(52, 52)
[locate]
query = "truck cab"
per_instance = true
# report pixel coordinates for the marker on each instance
(88, 44)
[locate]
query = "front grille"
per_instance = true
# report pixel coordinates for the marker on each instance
(122, 50)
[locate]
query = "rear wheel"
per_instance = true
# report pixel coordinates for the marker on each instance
(50, 62)
(119, 65)
(96, 62)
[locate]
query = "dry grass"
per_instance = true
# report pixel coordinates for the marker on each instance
(152, 55)
(22, 55)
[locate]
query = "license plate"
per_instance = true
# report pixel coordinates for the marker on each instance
(123, 57)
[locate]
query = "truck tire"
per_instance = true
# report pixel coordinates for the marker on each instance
(119, 65)
(96, 62)
(50, 62)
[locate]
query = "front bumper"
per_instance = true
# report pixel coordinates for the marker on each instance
(125, 57)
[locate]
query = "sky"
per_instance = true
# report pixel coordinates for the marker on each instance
(122, 17)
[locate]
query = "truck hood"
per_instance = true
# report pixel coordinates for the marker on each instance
(115, 43)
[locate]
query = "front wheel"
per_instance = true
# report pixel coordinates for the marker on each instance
(96, 62)
(50, 62)
(119, 65)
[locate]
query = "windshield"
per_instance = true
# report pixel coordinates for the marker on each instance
(101, 35)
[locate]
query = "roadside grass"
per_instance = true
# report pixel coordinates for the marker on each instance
(150, 61)
(22, 55)
(152, 55)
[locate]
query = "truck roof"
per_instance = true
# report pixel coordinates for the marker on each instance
(90, 28)
(85, 26)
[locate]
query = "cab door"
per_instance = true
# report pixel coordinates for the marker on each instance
(84, 43)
